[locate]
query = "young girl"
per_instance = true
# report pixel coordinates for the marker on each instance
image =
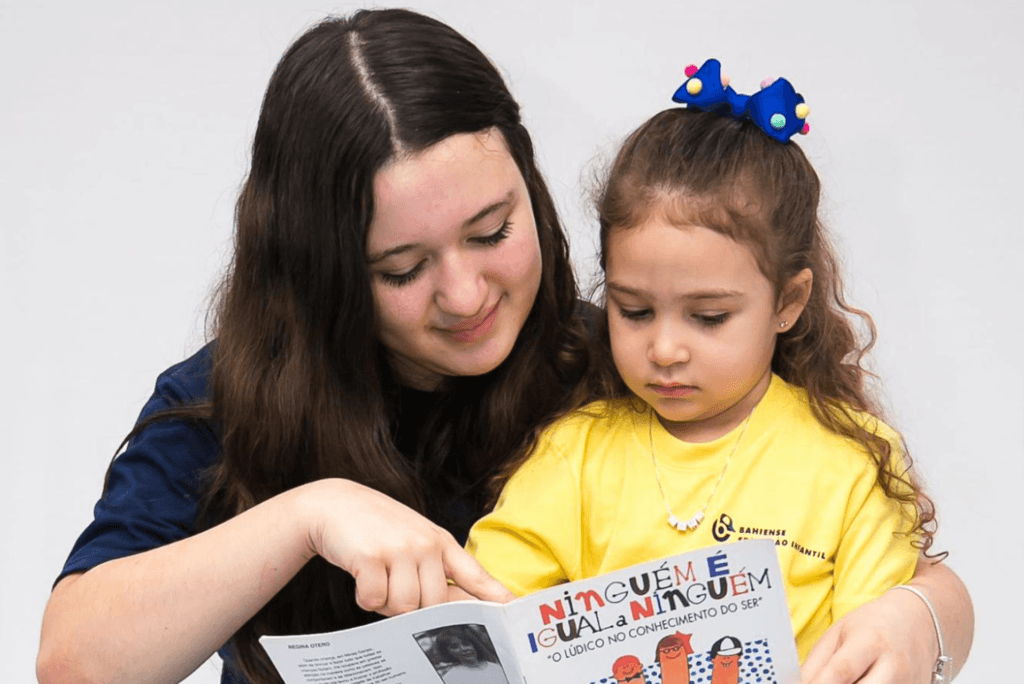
(740, 408)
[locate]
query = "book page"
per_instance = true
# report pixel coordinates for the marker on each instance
(715, 615)
(454, 643)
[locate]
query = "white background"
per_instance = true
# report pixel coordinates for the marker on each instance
(124, 132)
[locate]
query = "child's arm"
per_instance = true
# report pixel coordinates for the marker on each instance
(531, 540)
(893, 636)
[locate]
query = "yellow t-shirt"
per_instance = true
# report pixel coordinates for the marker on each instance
(587, 503)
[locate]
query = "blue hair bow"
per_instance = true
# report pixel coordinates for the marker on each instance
(777, 109)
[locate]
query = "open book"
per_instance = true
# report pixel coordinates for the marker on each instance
(715, 615)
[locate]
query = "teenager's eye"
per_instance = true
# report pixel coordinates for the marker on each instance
(399, 279)
(495, 237)
(711, 320)
(634, 314)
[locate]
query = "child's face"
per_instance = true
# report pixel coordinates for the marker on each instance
(692, 322)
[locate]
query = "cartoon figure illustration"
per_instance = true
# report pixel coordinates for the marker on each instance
(628, 669)
(672, 655)
(725, 660)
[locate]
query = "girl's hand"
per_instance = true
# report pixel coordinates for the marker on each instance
(890, 640)
(400, 560)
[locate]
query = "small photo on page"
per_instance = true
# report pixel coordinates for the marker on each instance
(462, 654)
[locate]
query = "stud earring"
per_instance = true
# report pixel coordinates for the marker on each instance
(783, 324)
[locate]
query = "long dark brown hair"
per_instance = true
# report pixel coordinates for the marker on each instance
(300, 389)
(703, 169)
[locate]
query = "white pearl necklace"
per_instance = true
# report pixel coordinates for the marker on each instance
(694, 520)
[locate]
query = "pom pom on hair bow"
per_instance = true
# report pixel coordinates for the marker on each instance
(777, 109)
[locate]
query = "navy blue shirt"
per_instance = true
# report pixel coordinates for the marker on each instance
(154, 487)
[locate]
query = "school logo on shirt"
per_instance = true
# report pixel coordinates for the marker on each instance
(724, 529)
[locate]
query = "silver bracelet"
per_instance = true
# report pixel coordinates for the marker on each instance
(942, 674)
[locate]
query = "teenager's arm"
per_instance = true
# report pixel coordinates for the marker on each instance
(953, 607)
(156, 616)
(891, 640)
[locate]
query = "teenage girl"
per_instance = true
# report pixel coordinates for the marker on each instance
(739, 407)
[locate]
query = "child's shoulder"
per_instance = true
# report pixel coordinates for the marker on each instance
(791, 408)
(603, 414)
(793, 402)
(597, 423)
(790, 413)
(582, 441)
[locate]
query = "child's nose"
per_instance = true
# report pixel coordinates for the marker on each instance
(668, 347)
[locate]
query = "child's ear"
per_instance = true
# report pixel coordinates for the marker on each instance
(793, 299)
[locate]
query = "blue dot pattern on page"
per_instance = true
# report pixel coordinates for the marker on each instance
(755, 667)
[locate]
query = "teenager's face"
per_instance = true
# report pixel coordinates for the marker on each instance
(692, 322)
(454, 257)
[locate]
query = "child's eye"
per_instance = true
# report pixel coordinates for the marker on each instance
(711, 320)
(634, 314)
(495, 237)
(399, 279)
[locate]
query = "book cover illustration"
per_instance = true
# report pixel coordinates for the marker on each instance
(715, 616)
